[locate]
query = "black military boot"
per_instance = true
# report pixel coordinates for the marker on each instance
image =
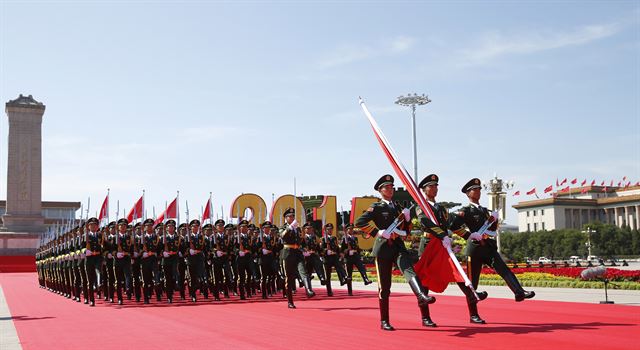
(423, 298)
(349, 288)
(289, 295)
(426, 316)
(366, 280)
(384, 315)
(309, 290)
(516, 288)
(263, 288)
(473, 313)
(225, 291)
(329, 290)
(159, 293)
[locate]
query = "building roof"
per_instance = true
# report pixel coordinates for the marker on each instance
(50, 204)
(576, 201)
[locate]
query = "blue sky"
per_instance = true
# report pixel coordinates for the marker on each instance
(222, 96)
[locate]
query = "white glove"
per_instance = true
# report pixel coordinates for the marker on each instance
(219, 253)
(165, 254)
(192, 251)
(351, 252)
(109, 256)
(306, 253)
(475, 236)
(446, 242)
(407, 214)
(180, 254)
(265, 251)
(384, 234)
(120, 255)
(241, 253)
(145, 255)
(330, 252)
(294, 224)
(399, 232)
(135, 254)
(88, 252)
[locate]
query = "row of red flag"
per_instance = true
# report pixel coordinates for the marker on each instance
(549, 188)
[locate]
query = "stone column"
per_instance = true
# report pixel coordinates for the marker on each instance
(616, 216)
(24, 166)
(626, 216)
(637, 217)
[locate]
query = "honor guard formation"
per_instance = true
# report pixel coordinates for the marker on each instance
(245, 261)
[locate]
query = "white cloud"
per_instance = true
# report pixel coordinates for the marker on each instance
(402, 44)
(494, 45)
(350, 53)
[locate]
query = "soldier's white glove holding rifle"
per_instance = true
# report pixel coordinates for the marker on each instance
(475, 236)
(407, 214)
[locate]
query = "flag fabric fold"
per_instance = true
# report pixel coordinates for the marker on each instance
(104, 209)
(170, 212)
(438, 270)
(548, 189)
(136, 211)
(533, 190)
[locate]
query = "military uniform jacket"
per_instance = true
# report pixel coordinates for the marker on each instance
(290, 236)
(310, 243)
(378, 217)
(330, 243)
(197, 241)
(125, 243)
(93, 243)
(150, 243)
(429, 227)
(267, 243)
(245, 239)
(473, 218)
(350, 242)
(172, 242)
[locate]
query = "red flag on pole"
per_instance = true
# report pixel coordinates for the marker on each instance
(602, 183)
(574, 181)
(584, 182)
(207, 211)
(563, 181)
(557, 184)
(104, 210)
(531, 192)
(566, 189)
(171, 212)
(548, 189)
(516, 193)
(619, 183)
(136, 211)
(604, 189)
(593, 182)
(628, 184)
(624, 178)
(584, 190)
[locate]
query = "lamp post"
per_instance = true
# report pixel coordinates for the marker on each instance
(413, 101)
(588, 231)
(498, 197)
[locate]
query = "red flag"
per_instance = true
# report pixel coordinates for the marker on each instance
(628, 184)
(548, 189)
(563, 181)
(171, 212)
(207, 211)
(104, 210)
(557, 184)
(638, 183)
(516, 193)
(531, 192)
(136, 211)
(584, 190)
(438, 270)
(584, 182)
(624, 178)
(566, 189)
(593, 182)
(619, 183)
(574, 181)
(604, 189)
(611, 183)
(602, 183)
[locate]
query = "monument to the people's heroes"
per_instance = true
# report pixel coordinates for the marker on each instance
(23, 222)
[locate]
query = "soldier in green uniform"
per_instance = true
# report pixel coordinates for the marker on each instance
(389, 248)
(109, 251)
(351, 250)
(136, 261)
(150, 273)
(266, 246)
(93, 259)
(122, 264)
(482, 249)
(221, 267)
(183, 252)
(429, 186)
(243, 257)
(197, 275)
(292, 257)
(331, 253)
(171, 245)
(311, 251)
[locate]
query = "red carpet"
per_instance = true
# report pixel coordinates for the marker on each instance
(47, 321)
(17, 263)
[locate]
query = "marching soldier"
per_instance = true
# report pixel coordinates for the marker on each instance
(293, 258)
(310, 251)
(197, 275)
(150, 273)
(243, 258)
(266, 246)
(76, 248)
(110, 248)
(331, 250)
(183, 252)
(208, 256)
(122, 264)
(482, 248)
(221, 267)
(136, 261)
(351, 251)
(429, 185)
(389, 248)
(93, 259)
(171, 245)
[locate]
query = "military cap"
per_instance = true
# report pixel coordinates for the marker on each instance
(129, 226)
(288, 211)
(472, 184)
(328, 225)
(307, 225)
(158, 225)
(170, 222)
(219, 221)
(148, 222)
(182, 225)
(229, 226)
(207, 227)
(383, 181)
(252, 226)
(137, 224)
(112, 224)
(93, 221)
(266, 224)
(429, 180)
(194, 222)
(243, 223)
(123, 221)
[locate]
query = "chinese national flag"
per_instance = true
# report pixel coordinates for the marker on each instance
(557, 184)
(548, 189)
(516, 193)
(602, 184)
(624, 178)
(170, 213)
(532, 191)
(437, 271)
(566, 189)
(584, 182)
(563, 181)
(136, 211)
(584, 190)
(628, 184)
(207, 211)
(593, 182)
(619, 183)
(574, 181)
(104, 210)
(604, 189)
